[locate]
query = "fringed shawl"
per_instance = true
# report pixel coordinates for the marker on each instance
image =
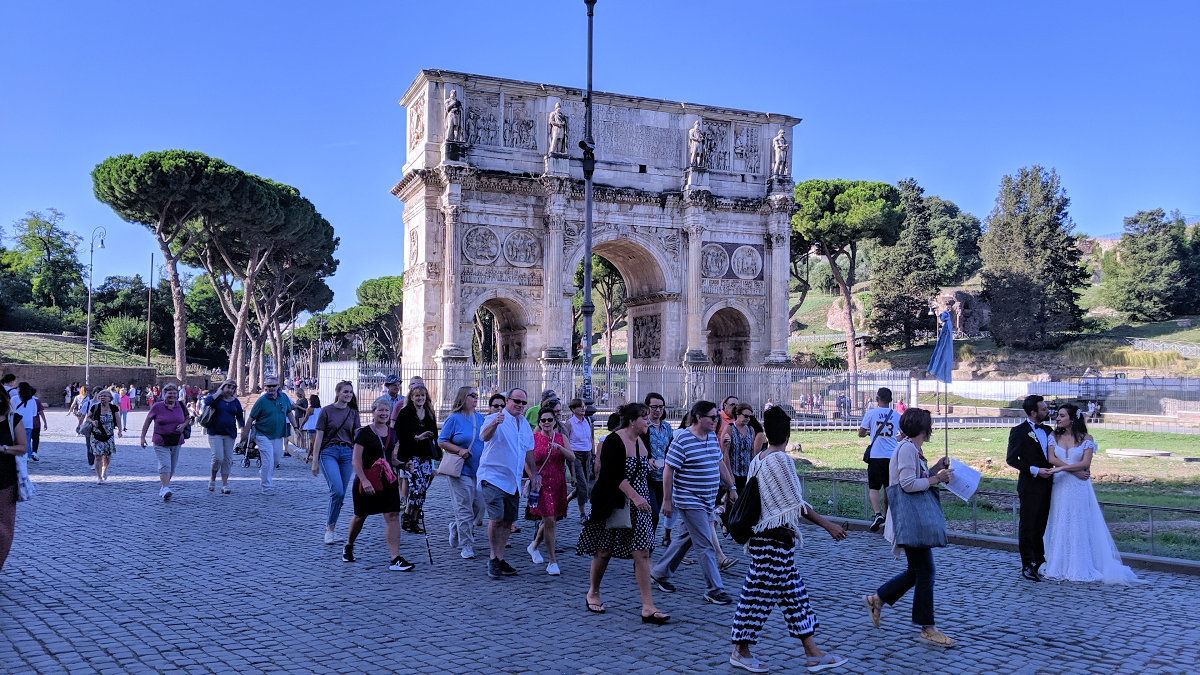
(779, 490)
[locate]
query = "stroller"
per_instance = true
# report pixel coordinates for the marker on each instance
(250, 449)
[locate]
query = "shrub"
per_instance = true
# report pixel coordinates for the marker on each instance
(828, 359)
(125, 333)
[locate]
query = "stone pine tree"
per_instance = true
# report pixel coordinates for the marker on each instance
(1149, 281)
(838, 216)
(904, 276)
(1032, 265)
(166, 192)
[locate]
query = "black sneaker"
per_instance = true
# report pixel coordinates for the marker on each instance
(493, 568)
(718, 598)
(879, 520)
(662, 584)
(506, 569)
(347, 553)
(33, 456)
(399, 564)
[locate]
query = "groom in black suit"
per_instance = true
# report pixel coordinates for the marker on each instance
(1027, 454)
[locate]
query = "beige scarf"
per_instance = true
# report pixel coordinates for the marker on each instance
(779, 490)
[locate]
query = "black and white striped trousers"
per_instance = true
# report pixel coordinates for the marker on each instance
(772, 580)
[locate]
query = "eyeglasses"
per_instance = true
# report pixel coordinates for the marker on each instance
(518, 401)
(268, 386)
(547, 419)
(472, 395)
(657, 407)
(712, 417)
(497, 406)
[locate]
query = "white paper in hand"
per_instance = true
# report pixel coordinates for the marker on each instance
(964, 482)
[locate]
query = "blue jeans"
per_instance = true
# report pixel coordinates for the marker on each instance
(337, 466)
(919, 574)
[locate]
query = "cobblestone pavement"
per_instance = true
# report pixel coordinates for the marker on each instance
(111, 579)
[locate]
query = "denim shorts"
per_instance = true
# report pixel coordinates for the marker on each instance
(500, 504)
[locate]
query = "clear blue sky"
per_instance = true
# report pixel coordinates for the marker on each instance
(954, 93)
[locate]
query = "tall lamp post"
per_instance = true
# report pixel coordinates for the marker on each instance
(588, 145)
(97, 236)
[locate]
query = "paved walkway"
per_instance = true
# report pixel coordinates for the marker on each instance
(111, 579)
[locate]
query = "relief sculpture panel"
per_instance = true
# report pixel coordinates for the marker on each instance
(416, 123)
(522, 249)
(716, 145)
(647, 336)
(619, 132)
(746, 148)
(482, 127)
(519, 124)
(481, 246)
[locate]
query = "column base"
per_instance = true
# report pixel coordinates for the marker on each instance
(777, 358)
(450, 351)
(558, 164)
(555, 354)
(695, 357)
(454, 374)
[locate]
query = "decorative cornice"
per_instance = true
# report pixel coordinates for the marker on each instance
(651, 298)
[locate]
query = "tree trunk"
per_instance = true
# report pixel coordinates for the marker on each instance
(180, 318)
(851, 353)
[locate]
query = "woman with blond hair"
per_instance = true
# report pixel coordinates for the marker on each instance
(376, 486)
(460, 437)
(105, 421)
(337, 425)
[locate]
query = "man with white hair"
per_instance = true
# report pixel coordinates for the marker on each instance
(270, 417)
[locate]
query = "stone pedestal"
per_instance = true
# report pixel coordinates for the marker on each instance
(454, 151)
(695, 178)
(557, 374)
(558, 165)
(454, 372)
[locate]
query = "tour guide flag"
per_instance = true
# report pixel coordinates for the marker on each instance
(942, 362)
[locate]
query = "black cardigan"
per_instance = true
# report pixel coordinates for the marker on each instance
(606, 494)
(408, 426)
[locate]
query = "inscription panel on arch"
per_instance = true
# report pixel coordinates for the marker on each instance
(732, 287)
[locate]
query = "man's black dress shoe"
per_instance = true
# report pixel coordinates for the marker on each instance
(1031, 574)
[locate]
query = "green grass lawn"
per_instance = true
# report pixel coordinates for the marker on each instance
(1149, 481)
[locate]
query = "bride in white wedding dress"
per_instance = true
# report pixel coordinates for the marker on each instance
(1079, 546)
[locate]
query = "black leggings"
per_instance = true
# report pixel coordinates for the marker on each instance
(35, 439)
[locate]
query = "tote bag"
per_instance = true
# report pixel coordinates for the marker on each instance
(917, 518)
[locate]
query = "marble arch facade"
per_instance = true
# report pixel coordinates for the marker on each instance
(691, 203)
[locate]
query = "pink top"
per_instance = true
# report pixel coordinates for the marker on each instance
(125, 405)
(167, 421)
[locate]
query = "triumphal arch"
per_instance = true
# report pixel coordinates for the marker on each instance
(692, 205)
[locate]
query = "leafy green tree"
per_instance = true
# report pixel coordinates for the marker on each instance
(1149, 283)
(800, 268)
(46, 255)
(385, 295)
(904, 278)
(125, 333)
(955, 241)
(166, 192)
(609, 291)
(209, 332)
(1032, 265)
(839, 216)
(1192, 270)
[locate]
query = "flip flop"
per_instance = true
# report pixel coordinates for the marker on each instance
(875, 611)
(594, 608)
(657, 618)
(827, 661)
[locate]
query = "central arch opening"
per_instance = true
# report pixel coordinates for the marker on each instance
(625, 275)
(498, 332)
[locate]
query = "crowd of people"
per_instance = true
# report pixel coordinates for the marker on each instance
(623, 481)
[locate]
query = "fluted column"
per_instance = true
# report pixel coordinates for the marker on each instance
(553, 266)
(779, 236)
(450, 313)
(694, 229)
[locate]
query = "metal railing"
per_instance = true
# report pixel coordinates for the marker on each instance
(1146, 345)
(1155, 530)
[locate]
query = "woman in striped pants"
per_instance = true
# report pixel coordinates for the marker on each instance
(772, 578)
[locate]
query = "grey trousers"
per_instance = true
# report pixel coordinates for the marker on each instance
(696, 526)
(466, 501)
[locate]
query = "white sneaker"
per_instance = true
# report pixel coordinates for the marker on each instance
(329, 539)
(165, 493)
(552, 569)
(467, 553)
(534, 553)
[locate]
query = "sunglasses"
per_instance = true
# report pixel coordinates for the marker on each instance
(547, 419)
(713, 417)
(658, 407)
(497, 406)
(472, 395)
(518, 401)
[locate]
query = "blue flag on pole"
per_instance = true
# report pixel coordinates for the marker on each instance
(941, 364)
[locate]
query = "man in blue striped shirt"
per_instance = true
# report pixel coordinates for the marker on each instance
(694, 471)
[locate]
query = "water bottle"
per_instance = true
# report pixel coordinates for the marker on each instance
(533, 497)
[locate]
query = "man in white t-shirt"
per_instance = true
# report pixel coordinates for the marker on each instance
(880, 423)
(507, 440)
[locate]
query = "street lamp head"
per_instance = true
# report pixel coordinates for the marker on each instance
(101, 245)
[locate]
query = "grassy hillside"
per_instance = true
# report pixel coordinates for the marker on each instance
(63, 350)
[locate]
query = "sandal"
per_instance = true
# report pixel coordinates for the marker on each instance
(594, 608)
(212, 485)
(727, 563)
(875, 611)
(936, 638)
(824, 662)
(657, 618)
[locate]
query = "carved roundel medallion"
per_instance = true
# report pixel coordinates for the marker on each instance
(521, 249)
(746, 262)
(714, 261)
(481, 246)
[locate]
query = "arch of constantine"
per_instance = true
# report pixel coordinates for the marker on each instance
(692, 204)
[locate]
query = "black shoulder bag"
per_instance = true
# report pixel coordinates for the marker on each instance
(747, 511)
(878, 428)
